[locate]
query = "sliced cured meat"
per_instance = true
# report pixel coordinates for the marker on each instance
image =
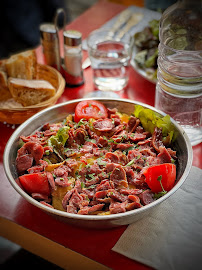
(102, 142)
(110, 167)
(91, 181)
(151, 161)
(147, 141)
(46, 127)
(133, 123)
(172, 153)
(146, 197)
(104, 185)
(112, 157)
(49, 133)
(71, 209)
(89, 210)
(62, 181)
(35, 169)
(157, 139)
(130, 174)
(46, 204)
(51, 180)
(79, 135)
(134, 198)
(117, 207)
(101, 194)
(96, 207)
(118, 176)
(164, 155)
(124, 146)
(133, 205)
(135, 191)
(103, 125)
(118, 129)
(116, 119)
(147, 152)
(61, 171)
(74, 199)
(136, 137)
(66, 198)
(34, 149)
(78, 186)
(115, 195)
(134, 154)
(71, 163)
(39, 196)
(111, 111)
(24, 162)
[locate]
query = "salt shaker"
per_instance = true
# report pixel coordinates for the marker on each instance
(50, 44)
(73, 72)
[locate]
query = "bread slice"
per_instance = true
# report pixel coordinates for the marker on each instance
(3, 65)
(22, 65)
(4, 91)
(30, 92)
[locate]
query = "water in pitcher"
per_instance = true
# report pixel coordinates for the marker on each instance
(179, 86)
(179, 91)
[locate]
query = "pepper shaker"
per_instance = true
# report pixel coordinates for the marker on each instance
(50, 44)
(50, 40)
(73, 72)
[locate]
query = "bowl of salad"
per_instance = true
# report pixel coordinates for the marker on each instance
(145, 51)
(98, 162)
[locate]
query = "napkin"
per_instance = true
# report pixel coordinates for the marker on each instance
(171, 236)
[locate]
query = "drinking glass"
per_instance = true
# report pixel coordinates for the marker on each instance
(110, 59)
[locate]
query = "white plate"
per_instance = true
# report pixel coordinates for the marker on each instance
(141, 71)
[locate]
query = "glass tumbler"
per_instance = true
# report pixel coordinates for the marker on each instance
(110, 59)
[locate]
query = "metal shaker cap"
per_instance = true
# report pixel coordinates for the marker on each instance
(48, 31)
(72, 37)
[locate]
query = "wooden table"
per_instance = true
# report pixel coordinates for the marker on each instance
(67, 246)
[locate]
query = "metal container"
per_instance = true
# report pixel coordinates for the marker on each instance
(50, 44)
(73, 71)
(59, 112)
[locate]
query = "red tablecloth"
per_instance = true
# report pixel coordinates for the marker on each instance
(44, 235)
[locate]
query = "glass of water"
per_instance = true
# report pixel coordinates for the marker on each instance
(110, 59)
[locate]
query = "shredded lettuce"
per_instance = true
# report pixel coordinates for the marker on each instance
(61, 136)
(59, 140)
(154, 24)
(151, 119)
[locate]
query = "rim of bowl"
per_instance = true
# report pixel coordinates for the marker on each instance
(92, 217)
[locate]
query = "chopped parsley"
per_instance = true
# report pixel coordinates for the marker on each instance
(130, 162)
(47, 152)
(82, 185)
(161, 193)
(91, 175)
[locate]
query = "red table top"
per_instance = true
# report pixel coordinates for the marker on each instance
(94, 244)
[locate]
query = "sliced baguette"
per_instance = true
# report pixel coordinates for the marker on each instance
(22, 65)
(4, 91)
(30, 92)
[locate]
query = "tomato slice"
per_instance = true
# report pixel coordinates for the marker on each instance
(166, 173)
(90, 109)
(35, 183)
